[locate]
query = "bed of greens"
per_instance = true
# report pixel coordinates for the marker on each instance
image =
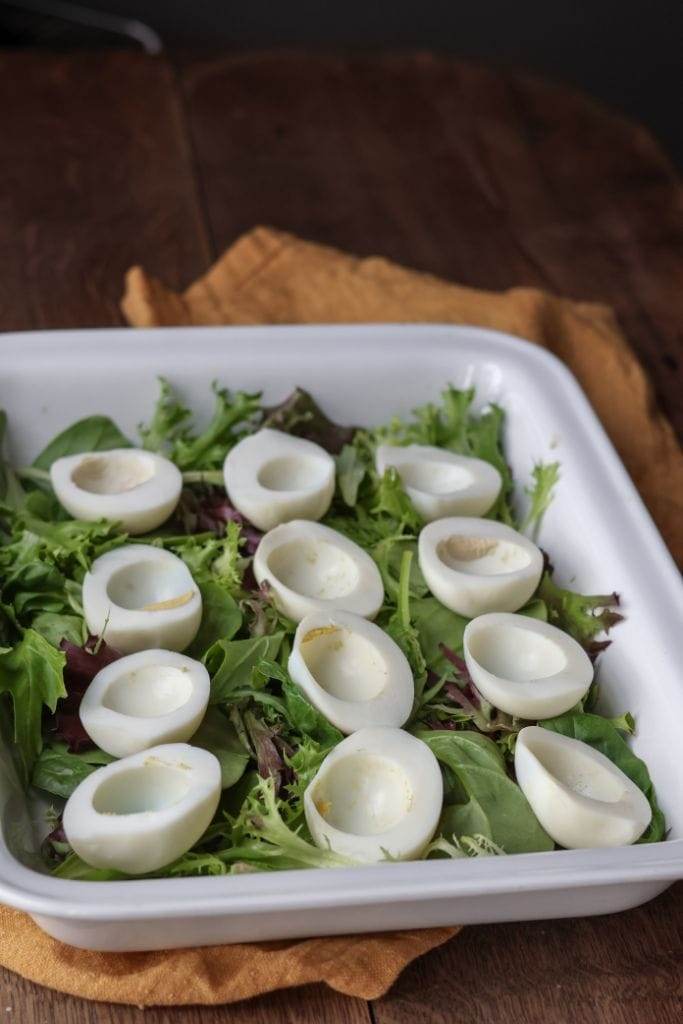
(268, 739)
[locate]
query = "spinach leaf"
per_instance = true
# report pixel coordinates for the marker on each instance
(93, 434)
(603, 735)
(230, 663)
(31, 674)
(11, 491)
(437, 625)
(219, 736)
(221, 618)
(59, 772)
(480, 797)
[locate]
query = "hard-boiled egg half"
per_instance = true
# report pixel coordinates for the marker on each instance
(142, 596)
(579, 796)
(440, 483)
(273, 477)
(311, 568)
(135, 488)
(475, 566)
(377, 795)
(525, 667)
(351, 671)
(141, 813)
(143, 700)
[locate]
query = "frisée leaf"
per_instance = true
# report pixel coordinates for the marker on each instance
(31, 677)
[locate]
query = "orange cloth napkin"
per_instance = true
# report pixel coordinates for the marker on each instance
(271, 277)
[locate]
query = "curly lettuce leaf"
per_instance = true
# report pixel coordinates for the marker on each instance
(31, 678)
(261, 827)
(583, 616)
(233, 416)
(170, 422)
(545, 476)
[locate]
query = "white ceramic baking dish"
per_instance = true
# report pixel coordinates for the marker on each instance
(598, 531)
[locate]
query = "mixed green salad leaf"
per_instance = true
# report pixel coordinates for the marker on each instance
(268, 738)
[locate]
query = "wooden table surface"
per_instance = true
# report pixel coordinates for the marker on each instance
(485, 177)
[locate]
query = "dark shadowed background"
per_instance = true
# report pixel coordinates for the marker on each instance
(625, 52)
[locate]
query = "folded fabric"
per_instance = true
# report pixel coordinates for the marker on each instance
(269, 277)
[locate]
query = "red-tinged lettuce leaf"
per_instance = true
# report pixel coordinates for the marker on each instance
(270, 750)
(82, 665)
(208, 510)
(299, 414)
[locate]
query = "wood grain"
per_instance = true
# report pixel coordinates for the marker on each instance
(486, 177)
(95, 174)
(619, 969)
(24, 1003)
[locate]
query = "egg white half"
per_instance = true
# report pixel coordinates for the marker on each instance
(139, 597)
(440, 483)
(136, 488)
(579, 796)
(526, 667)
(142, 812)
(143, 700)
(272, 477)
(474, 566)
(351, 671)
(377, 795)
(311, 568)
